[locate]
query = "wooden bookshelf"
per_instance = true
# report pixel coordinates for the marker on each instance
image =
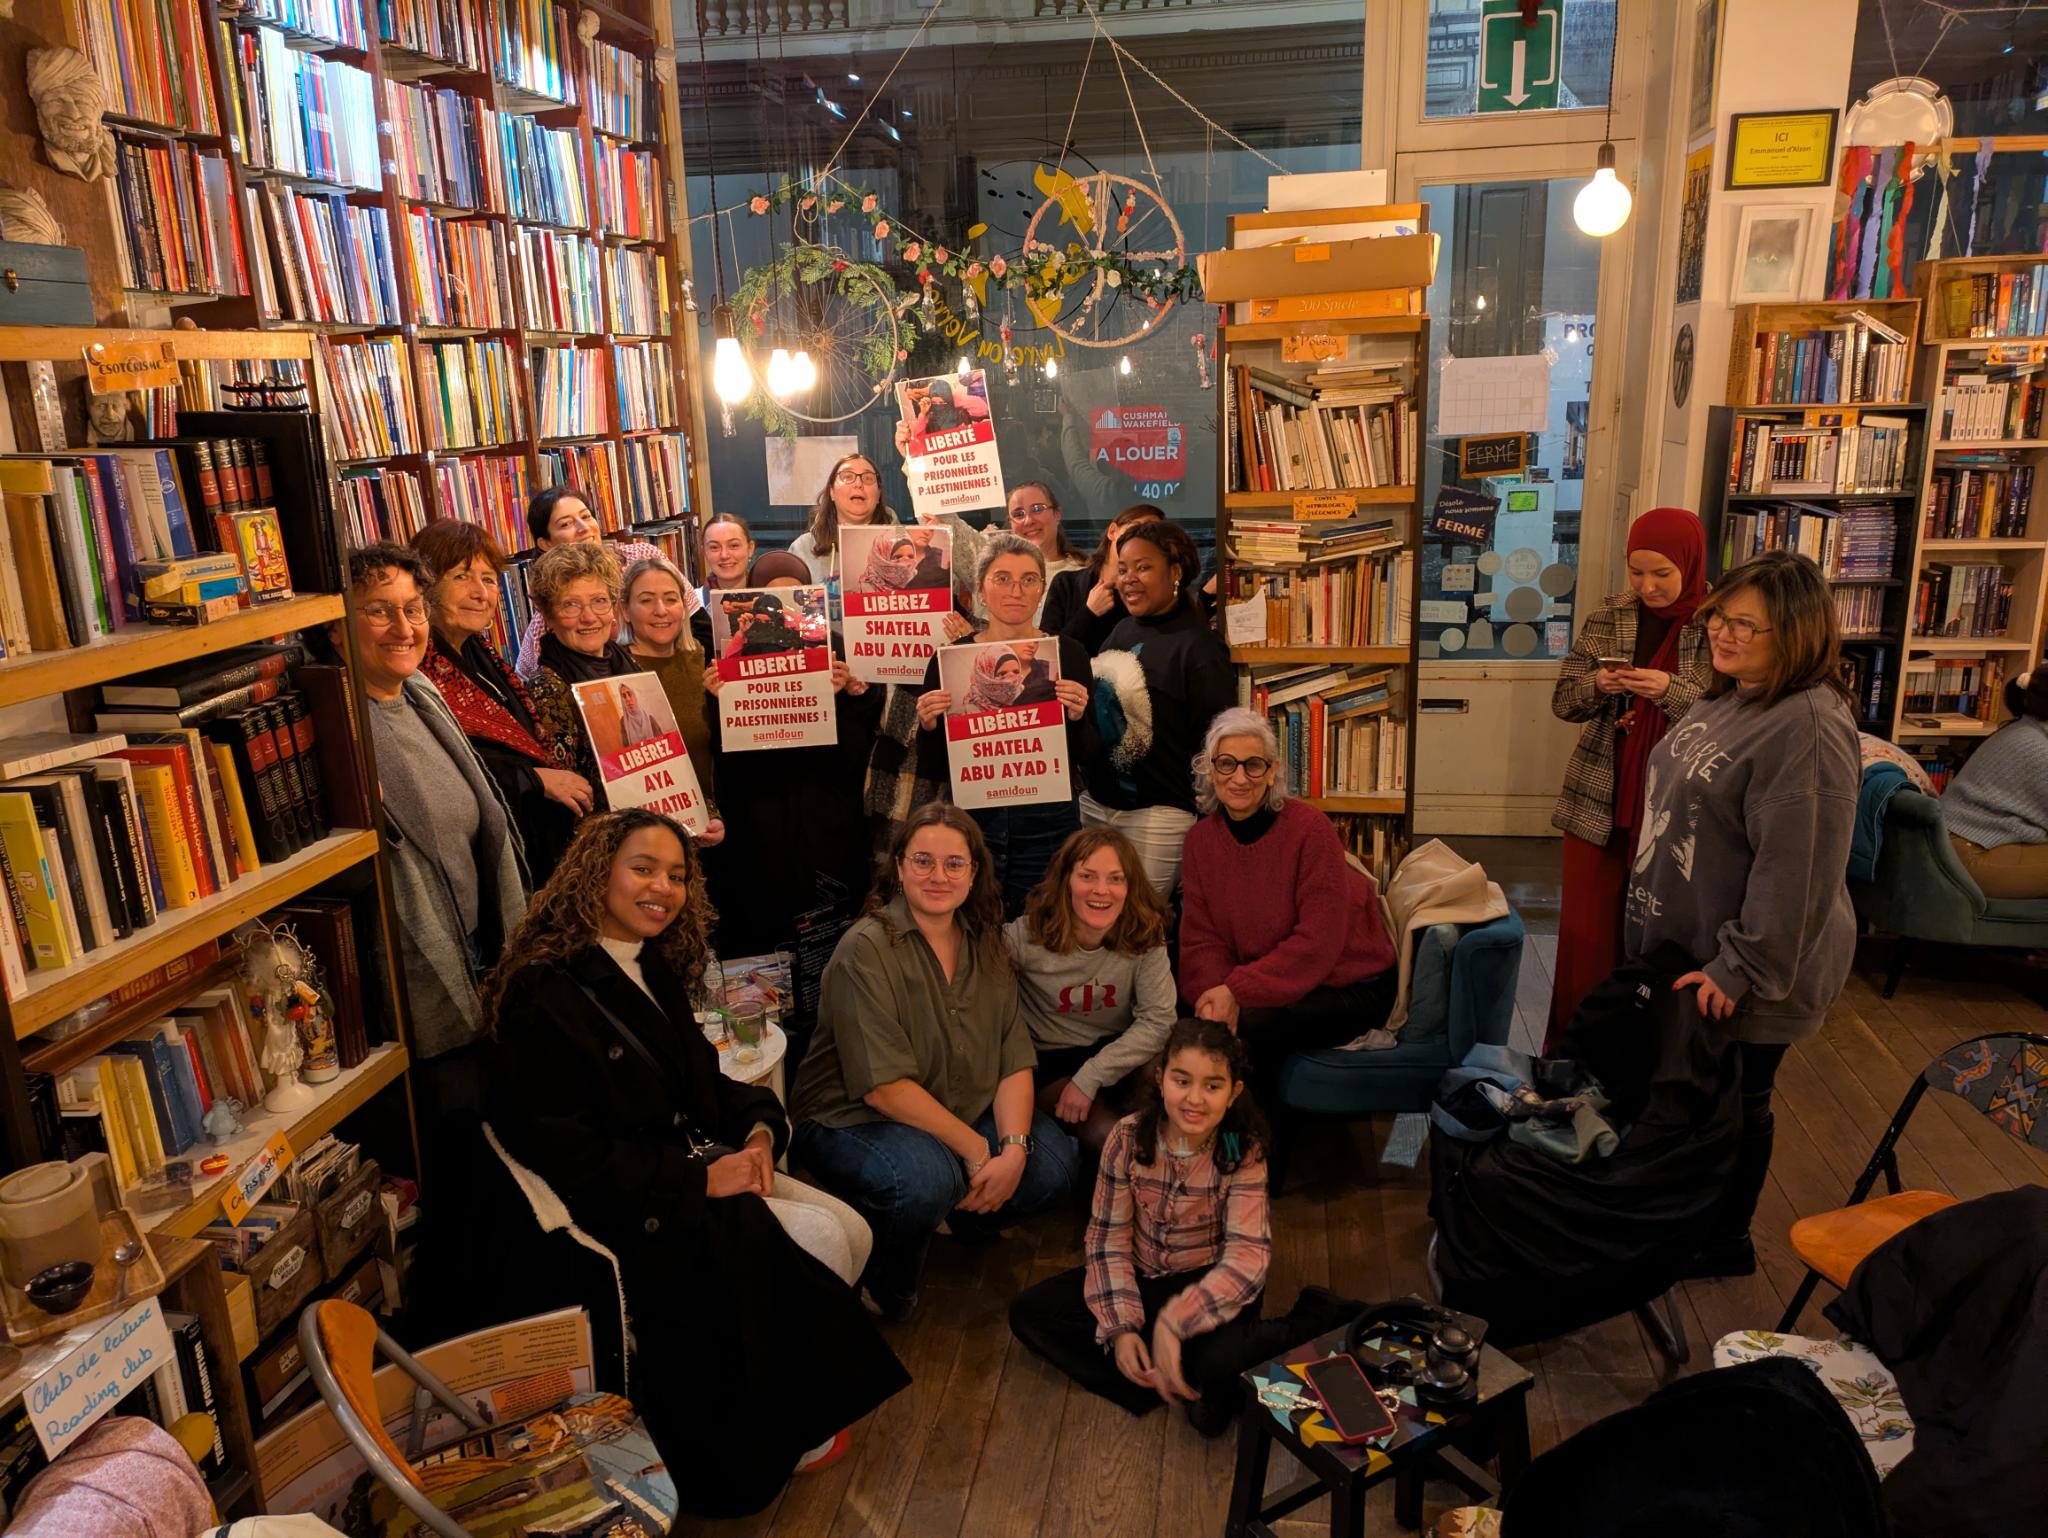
(1399, 343)
(64, 683)
(1753, 320)
(1931, 282)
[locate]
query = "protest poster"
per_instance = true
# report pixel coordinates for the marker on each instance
(641, 756)
(948, 441)
(1006, 731)
(895, 589)
(774, 659)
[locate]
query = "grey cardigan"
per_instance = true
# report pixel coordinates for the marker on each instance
(433, 952)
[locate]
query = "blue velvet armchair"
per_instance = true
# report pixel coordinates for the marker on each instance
(1920, 891)
(1462, 993)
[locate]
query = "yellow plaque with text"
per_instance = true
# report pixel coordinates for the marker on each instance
(1781, 149)
(1309, 506)
(111, 366)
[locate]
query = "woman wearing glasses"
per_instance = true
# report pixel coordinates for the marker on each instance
(1034, 514)
(914, 1103)
(457, 880)
(1281, 938)
(576, 592)
(852, 494)
(1021, 839)
(1749, 807)
(559, 515)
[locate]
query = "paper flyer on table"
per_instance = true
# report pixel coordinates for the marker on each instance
(895, 588)
(641, 756)
(1006, 731)
(512, 1370)
(774, 651)
(949, 444)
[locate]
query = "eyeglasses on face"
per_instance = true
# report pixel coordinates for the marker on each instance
(858, 478)
(1002, 581)
(1224, 767)
(1034, 510)
(954, 865)
(1742, 630)
(385, 615)
(576, 608)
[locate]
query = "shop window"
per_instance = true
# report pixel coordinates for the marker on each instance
(1512, 338)
(1463, 60)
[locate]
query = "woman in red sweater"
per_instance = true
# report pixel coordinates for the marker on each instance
(1281, 938)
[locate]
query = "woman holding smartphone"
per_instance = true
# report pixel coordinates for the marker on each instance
(1640, 662)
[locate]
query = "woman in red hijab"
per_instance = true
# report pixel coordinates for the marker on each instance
(1639, 664)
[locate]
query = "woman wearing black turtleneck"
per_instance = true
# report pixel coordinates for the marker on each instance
(1169, 676)
(1082, 603)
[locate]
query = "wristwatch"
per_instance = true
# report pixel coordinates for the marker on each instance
(1015, 1140)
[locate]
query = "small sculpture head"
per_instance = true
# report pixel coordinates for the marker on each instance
(70, 103)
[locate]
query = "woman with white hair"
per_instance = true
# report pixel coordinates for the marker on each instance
(1281, 938)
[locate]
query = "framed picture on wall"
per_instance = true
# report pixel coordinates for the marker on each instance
(1781, 149)
(1770, 252)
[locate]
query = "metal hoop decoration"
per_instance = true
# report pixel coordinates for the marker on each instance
(1113, 204)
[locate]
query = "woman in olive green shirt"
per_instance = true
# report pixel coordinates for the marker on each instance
(914, 1103)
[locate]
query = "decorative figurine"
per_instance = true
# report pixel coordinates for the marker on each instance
(26, 219)
(71, 106)
(296, 1015)
(223, 1121)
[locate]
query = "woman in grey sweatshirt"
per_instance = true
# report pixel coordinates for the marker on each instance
(1093, 978)
(1748, 808)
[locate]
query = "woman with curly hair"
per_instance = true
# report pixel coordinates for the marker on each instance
(914, 1101)
(606, 1106)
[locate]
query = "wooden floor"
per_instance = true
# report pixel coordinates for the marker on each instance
(990, 1443)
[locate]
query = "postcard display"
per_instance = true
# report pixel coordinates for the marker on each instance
(775, 668)
(1006, 731)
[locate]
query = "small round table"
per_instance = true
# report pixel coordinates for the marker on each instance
(766, 1069)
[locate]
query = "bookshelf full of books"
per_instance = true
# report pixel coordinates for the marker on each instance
(460, 202)
(1318, 543)
(1980, 551)
(174, 765)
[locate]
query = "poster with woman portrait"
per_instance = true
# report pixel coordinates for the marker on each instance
(773, 651)
(896, 588)
(1006, 732)
(640, 752)
(948, 442)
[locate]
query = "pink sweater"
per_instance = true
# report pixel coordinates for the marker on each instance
(1279, 917)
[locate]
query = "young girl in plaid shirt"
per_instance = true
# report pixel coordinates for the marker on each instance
(1167, 1307)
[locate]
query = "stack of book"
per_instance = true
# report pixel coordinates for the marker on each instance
(368, 390)
(1849, 541)
(533, 49)
(1380, 842)
(1997, 303)
(453, 32)
(543, 171)
(1979, 498)
(303, 114)
(639, 291)
(1983, 407)
(460, 275)
(1959, 686)
(1862, 359)
(558, 283)
(445, 147)
(475, 397)
(152, 62)
(1341, 427)
(381, 504)
(1865, 672)
(1773, 457)
(488, 489)
(620, 102)
(1335, 725)
(568, 391)
(328, 261)
(656, 486)
(593, 469)
(1859, 611)
(1963, 598)
(179, 231)
(645, 373)
(1354, 593)
(629, 191)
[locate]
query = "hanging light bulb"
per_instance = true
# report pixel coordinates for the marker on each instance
(803, 372)
(1479, 303)
(1052, 368)
(964, 366)
(781, 379)
(730, 377)
(1123, 364)
(1603, 204)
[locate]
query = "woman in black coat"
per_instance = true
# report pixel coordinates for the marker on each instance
(1082, 604)
(748, 1358)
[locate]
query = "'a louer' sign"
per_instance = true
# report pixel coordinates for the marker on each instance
(1143, 442)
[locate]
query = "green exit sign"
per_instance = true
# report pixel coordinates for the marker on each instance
(1518, 65)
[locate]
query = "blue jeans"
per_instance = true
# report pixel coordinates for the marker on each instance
(906, 1182)
(1021, 843)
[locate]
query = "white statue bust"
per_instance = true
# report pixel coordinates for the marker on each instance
(70, 103)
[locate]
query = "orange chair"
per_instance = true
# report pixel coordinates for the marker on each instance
(2004, 1077)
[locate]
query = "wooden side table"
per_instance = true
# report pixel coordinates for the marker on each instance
(1422, 1443)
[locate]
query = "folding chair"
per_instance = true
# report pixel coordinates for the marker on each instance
(2005, 1077)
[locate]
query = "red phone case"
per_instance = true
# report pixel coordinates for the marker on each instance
(1347, 1433)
